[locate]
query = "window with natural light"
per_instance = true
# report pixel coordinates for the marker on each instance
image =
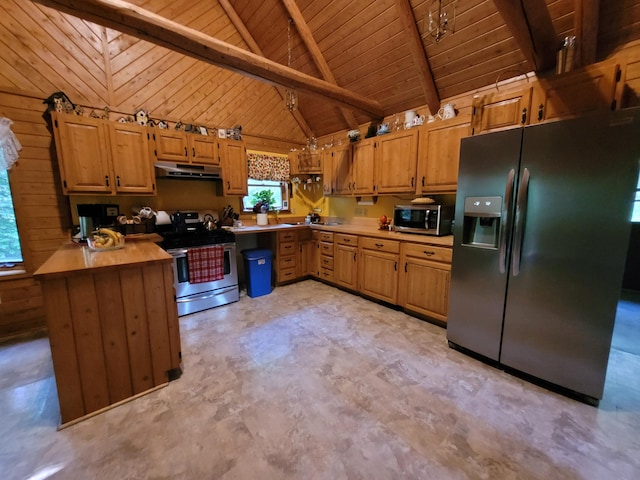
(275, 193)
(10, 252)
(635, 216)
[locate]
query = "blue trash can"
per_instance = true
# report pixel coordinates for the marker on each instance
(257, 269)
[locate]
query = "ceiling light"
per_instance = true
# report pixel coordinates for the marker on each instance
(290, 95)
(440, 19)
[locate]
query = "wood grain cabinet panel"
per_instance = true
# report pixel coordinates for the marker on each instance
(501, 110)
(113, 332)
(181, 147)
(233, 160)
(396, 162)
(132, 159)
(424, 282)
(378, 268)
(362, 172)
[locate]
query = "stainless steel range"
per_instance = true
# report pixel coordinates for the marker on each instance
(195, 297)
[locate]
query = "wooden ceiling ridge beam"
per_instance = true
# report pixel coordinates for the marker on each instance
(316, 54)
(529, 21)
(408, 21)
(127, 18)
(586, 29)
(255, 48)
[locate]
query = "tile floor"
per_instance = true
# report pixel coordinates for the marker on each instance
(310, 382)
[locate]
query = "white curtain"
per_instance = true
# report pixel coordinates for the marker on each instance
(9, 145)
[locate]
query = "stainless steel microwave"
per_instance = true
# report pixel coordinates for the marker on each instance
(431, 219)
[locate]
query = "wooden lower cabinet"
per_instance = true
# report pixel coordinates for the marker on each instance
(378, 268)
(345, 260)
(424, 279)
(325, 256)
(287, 257)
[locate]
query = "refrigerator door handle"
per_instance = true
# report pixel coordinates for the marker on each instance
(521, 214)
(506, 224)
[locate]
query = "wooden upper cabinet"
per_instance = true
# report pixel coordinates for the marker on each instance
(362, 167)
(98, 156)
(233, 159)
(440, 147)
(132, 159)
(582, 91)
(182, 147)
(83, 154)
(327, 172)
(171, 145)
(341, 157)
(396, 161)
(306, 162)
(204, 149)
(500, 110)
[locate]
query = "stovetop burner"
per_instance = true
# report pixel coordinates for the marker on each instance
(195, 238)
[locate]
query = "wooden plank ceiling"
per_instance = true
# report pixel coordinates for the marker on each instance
(368, 47)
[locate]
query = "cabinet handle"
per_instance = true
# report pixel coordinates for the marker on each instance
(540, 112)
(346, 240)
(354, 256)
(106, 180)
(118, 180)
(228, 185)
(186, 152)
(379, 245)
(423, 181)
(428, 253)
(395, 266)
(405, 267)
(193, 149)
(524, 116)
(412, 181)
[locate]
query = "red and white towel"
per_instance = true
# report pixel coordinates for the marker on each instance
(206, 264)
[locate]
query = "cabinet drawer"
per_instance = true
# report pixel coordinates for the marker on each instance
(326, 236)
(326, 248)
(286, 275)
(287, 236)
(326, 262)
(327, 274)
(288, 261)
(345, 239)
(286, 248)
(427, 252)
(379, 245)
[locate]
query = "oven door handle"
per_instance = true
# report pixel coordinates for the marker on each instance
(196, 298)
(177, 253)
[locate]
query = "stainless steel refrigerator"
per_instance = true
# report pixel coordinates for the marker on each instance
(541, 232)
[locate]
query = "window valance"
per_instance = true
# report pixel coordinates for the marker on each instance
(268, 166)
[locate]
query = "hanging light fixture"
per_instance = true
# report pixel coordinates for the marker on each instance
(290, 95)
(441, 20)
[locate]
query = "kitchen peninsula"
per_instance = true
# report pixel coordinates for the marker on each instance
(113, 324)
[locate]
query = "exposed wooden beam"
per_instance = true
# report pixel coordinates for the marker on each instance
(530, 24)
(405, 14)
(141, 23)
(255, 48)
(586, 29)
(316, 54)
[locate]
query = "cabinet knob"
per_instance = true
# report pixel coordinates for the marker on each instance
(118, 180)
(106, 180)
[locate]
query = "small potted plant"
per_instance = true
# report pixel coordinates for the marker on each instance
(263, 202)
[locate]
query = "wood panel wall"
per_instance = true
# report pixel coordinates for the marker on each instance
(42, 212)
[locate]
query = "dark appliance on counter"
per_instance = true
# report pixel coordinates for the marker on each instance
(541, 233)
(425, 219)
(190, 234)
(95, 215)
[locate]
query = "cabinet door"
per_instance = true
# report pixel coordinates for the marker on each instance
(341, 170)
(83, 154)
(362, 167)
(345, 265)
(575, 93)
(327, 172)
(132, 161)
(309, 162)
(497, 111)
(425, 287)
(397, 160)
(233, 159)
(379, 275)
(171, 145)
(439, 171)
(204, 150)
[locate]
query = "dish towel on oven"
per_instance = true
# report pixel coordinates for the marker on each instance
(206, 264)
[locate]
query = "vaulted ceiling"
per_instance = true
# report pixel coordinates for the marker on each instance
(352, 61)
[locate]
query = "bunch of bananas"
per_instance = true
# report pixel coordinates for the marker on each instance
(106, 238)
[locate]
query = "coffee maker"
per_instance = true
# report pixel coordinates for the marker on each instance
(95, 215)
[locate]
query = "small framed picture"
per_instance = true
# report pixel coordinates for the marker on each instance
(222, 133)
(203, 131)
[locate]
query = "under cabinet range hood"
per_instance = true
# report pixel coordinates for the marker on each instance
(182, 170)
